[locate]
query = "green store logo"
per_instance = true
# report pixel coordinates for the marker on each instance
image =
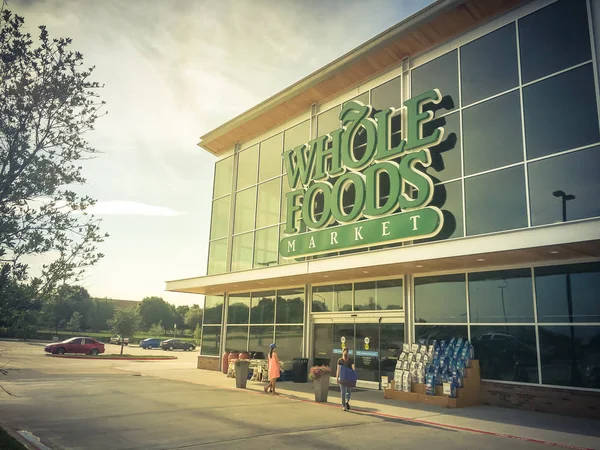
(310, 166)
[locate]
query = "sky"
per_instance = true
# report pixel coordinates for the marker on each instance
(174, 70)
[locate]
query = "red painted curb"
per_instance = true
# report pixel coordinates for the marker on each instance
(168, 358)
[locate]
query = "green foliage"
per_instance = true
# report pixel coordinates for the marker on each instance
(198, 334)
(74, 324)
(156, 310)
(125, 323)
(157, 330)
(193, 318)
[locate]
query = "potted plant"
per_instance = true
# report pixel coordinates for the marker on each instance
(320, 377)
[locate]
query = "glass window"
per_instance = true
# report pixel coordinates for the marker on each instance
(267, 210)
(263, 308)
(570, 355)
(501, 296)
(390, 294)
(322, 344)
(297, 135)
(560, 112)
(543, 50)
(387, 95)
(217, 257)
(367, 351)
(569, 293)
(211, 341)
(270, 158)
(285, 188)
(289, 342)
(342, 297)
(219, 226)
(441, 299)
(446, 162)
(496, 201)
(260, 339)
(247, 167)
(426, 334)
(213, 309)
(492, 134)
(328, 121)
(363, 98)
(290, 306)
(239, 308)
(442, 74)
(237, 338)
(506, 353)
(332, 298)
(448, 197)
(565, 187)
(488, 65)
(241, 257)
(266, 247)
(365, 296)
(223, 175)
(390, 347)
(245, 206)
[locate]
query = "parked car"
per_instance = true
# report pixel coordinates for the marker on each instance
(85, 345)
(117, 340)
(172, 344)
(150, 343)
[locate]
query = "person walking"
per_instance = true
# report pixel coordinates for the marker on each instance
(274, 369)
(346, 361)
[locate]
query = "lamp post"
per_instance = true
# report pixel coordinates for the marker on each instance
(565, 198)
(174, 330)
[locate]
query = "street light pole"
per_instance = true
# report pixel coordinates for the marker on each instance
(174, 330)
(565, 198)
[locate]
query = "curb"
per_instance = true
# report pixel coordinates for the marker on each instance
(166, 358)
(28, 444)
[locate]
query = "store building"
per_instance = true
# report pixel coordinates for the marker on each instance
(441, 180)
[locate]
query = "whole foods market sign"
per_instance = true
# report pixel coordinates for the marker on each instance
(331, 156)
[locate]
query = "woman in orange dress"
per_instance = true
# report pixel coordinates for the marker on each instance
(274, 370)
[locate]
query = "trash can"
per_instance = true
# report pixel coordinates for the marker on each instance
(241, 373)
(300, 369)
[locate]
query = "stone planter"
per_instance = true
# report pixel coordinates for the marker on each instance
(241, 373)
(321, 389)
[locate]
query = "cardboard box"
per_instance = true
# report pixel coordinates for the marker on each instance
(434, 400)
(410, 397)
(418, 388)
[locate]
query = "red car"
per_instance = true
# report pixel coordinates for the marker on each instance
(85, 345)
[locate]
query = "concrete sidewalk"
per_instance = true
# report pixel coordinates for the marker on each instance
(553, 429)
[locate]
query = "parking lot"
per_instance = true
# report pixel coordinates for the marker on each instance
(100, 404)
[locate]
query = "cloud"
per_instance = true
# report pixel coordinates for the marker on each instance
(120, 207)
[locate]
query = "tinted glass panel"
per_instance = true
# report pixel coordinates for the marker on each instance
(211, 339)
(363, 98)
(441, 299)
(263, 307)
(442, 74)
(289, 342)
(390, 347)
(290, 306)
(217, 257)
(489, 65)
(425, 334)
(387, 95)
(496, 201)
(270, 161)
(223, 175)
(448, 197)
(328, 121)
(570, 355)
(365, 296)
(492, 134)
(247, 167)
(245, 206)
(506, 353)
(299, 134)
(260, 339)
(367, 351)
(549, 131)
(266, 245)
(568, 293)
(502, 296)
(543, 50)
(390, 294)
(219, 226)
(322, 298)
(239, 308)
(241, 258)
(568, 181)
(446, 163)
(213, 309)
(237, 338)
(267, 211)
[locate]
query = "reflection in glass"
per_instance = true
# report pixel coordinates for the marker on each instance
(390, 294)
(290, 306)
(270, 161)
(289, 341)
(506, 353)
(363, 98)
(213, 309)
(342, 297)
(426, 334)
(576, 175)
(488, 65)
(448, 197)
(223, 176)
(265, 248)
(239, 308)
(328, 121)
(247, 167)
(219, 226)
(568, 293)
(241, 255)
(263, 308)
(267, 209)
(259, 340)
(343, 337)
(446, 162)
(323, 345)
(332, 298)
(543, 50)
(496, 201)
(442, 74)
(570, 355)
(547, 131)
(441, 299)
(237, 338)
(501, 296)
(492, 134)
(245, 206)
(217, 257)
(387, 95)
(297, 135)
(365, 296)
(390, 347)
(367, 351)
(211, 341)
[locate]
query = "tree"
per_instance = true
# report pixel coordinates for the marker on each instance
(193, 317)
(102, 311)
(124, 323)
(179, 316)
(63, 302)
(157, 330)
(156, 310)
(47, 103)
(74, 324)
(198, 334)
